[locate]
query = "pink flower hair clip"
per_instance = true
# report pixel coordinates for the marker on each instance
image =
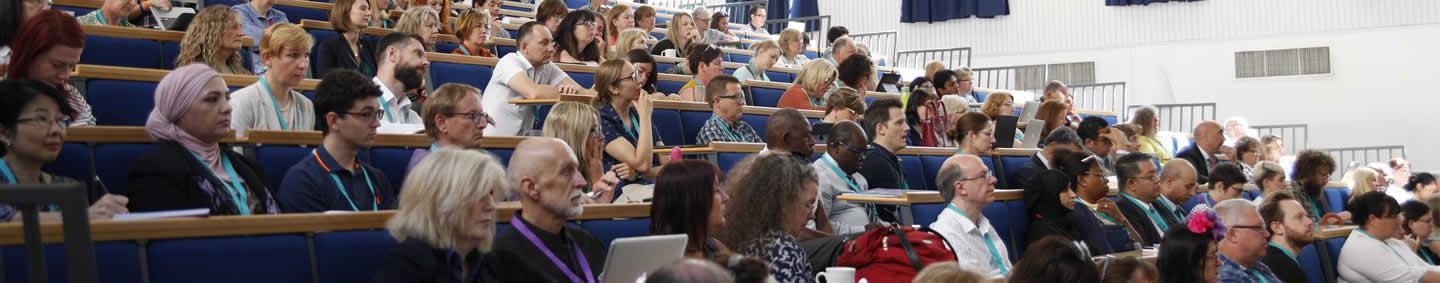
(1206, 222)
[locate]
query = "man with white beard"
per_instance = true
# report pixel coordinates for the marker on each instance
(540, 246)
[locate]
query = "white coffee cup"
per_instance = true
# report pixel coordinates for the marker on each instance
(837, 275)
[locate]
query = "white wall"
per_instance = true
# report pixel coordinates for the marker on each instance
(1382, 56)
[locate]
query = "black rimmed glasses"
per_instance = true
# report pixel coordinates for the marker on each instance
(372, 115)
(479, 117)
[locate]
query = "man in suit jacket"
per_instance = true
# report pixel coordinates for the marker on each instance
(1062, 138)
(1139, 187)
(1177, 186)
(1202, 153)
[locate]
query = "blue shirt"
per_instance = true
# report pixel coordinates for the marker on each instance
(309, 187)
(1233, 272)
(254, 26)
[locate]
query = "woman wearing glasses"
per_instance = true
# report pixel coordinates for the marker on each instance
(576, 39)
(769, 206)
(808, 92)
(453, 117)
(625, 120)
(188, 168)
(32, 130)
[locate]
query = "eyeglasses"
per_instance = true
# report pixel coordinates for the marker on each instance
(850, 148)
(1257, 228)
(479, 117)
(633, 76)
(373, 115)
(42, 121)
(983, 174)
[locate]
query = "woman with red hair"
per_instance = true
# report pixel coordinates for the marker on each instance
(47, 50)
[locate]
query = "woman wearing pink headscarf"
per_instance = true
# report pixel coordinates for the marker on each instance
(190, 169)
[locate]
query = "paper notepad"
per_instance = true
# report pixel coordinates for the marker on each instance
(163, 214)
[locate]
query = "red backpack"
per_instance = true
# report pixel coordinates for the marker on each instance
(894, 254)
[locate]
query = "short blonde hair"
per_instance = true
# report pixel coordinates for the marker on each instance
(1361, 181)
(443, 101)
(438, 194)
(815, 74)
(786, 37)
(572, 122)
(414, 19)
(467, 23)
(285, 35)
(932, 67)
(626, 41)
(764, 45)
(992, 104)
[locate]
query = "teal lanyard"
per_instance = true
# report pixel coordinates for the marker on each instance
(265, 86)
(101, 15)
(341, 185)
(726, 128)
(234, 187)
(1382, 242)
(849, 181)
(757, 74)
(634, 130)
(989, 243)
(1258, 277)
(386, 106)
(434, 146)
(5, 170)
(464, 50)
(1287, 252)
(1149, 211)
(1315, 206)
(813, 102)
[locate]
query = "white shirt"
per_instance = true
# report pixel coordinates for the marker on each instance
(966, 238)
(4, 55)
(1365, 259)
(1400, 194)
(1044, 161)
(511, 119)
(397, 108)
(845, 217)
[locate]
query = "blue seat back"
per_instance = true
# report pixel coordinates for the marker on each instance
(1019, 227)
(502, 153)
(997, 213)
(737, 58)
(609, 230)
(692, 121)
(114, 262)
(913, 174)
(756, 121)
(726, 160)
(74, 162)
(1190, 205)
(1310, 264)
(502, 50)
(1012, 165)
(930, 167)
(122, 52)
(477, 76)
(274, 258)
(279, 158)
(926, 213)
(120, 103)
(767, 97)
(295, 14)
(320, 36)
(669, 87)
(350, 256)
(1337, 198)
(780, 77)
(667, 122)
(584, 79)
(394, 162)
(1250, 195)
(1333, 246)
(446, 47)
(118, 158)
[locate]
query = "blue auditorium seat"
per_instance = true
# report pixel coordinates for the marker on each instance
(780, 77)
(79, 11)
(394, 162)
(930, 167)
(276, 159)
(1190, 205)
(871, 99)
(1019, 227)
(1333, 246)
(74, 162)
(350, 256)
(1250, 195)
(1337, 198)
(729, 71)
(737, 58)
(118, 158)
(477, 76)
(1310, 264)
(502, 50)
(122, 52)
(169, 50)
(726, 160)
(114, 262)
(669, 87)
(320, 35)
(767, 97)
(584, 79)
(756, 121)
(996, 212)
(503, 154)
(228, 3)
(609, 230)
(275, 258)
(446, 47)
(295, 14)
(120, 103)
(662, 66)
(926, 213)
(1012, 165)
(672, 132)
(914, 174)
(692, 121)
(513, 8)
(811, 54)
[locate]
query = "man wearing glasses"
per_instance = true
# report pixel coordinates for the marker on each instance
(1139, 187)
(727, 102)
(453, 117)
(839, 173)
(1243, 245)
(968, 187)
(330, 177)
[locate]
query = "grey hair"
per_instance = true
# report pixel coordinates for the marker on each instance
(1062, 135)
(945, 180)
(1231, 211)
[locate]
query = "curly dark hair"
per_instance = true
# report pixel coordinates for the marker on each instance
(763, 198)
(337, 92)
(1311, 164)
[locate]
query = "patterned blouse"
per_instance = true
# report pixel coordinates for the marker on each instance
(788, 262)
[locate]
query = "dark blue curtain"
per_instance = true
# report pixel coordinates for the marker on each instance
(930, 11)
(1140, 2)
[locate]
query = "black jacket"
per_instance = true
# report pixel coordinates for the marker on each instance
(1024, 174)
(335, 53)
(419, 262)
(169, 178)
(882, 170)
(1138, 219)
(1202, 168)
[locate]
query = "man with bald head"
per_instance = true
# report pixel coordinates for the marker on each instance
(839, 51)
(1202, 152)
(968, 187)
(1177, 186)
(548, 180)
(838, 172)
(789, 132)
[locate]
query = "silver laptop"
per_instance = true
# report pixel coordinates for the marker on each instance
(1032, 133)
(1028, 113)
(633, 257)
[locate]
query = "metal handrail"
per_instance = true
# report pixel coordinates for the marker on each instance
(1012, 77)
(1295, 137)
(952, 57)
(1180, 117)
(739, 11)
(881, 43)
(1345, 157)
(1101, 96)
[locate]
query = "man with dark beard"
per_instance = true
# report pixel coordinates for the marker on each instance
(400, 71)
(540, 246)
(1289, 228)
